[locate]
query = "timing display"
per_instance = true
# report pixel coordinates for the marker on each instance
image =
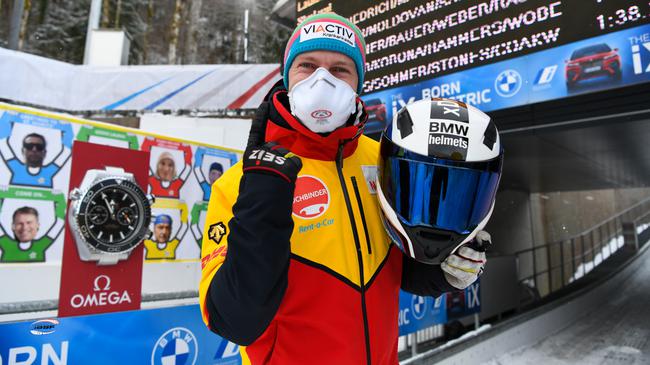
(409, 41)
(618, 18)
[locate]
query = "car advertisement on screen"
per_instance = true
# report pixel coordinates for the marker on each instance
(595, 64)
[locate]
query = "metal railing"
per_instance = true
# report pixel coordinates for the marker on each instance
(547, 268)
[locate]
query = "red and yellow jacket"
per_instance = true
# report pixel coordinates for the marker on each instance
(306, 274)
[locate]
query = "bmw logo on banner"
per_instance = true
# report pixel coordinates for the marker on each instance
(419, 306)
(508, 83)
(175, 347)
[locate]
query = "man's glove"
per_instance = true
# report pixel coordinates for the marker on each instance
(464, 266)
(272, 159)
(258, 126)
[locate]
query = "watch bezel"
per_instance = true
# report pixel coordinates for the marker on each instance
(141, 230)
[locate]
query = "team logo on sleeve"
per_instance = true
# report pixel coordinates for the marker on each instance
(216, 232)
(311, 198)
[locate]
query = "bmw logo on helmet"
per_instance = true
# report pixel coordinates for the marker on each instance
(438, 174)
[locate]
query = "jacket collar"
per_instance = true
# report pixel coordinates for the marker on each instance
(286, 130)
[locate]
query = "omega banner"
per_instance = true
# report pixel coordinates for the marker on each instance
(88, 288)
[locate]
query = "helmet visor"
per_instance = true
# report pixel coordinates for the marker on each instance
(438, 193)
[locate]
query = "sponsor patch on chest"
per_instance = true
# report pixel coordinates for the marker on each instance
(311, 197)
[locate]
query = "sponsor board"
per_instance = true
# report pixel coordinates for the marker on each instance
(174, 335)
(417, 312)
(533, 78)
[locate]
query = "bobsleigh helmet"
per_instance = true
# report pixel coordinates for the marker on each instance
(438, 173)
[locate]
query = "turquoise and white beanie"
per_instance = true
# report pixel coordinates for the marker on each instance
(327, 32)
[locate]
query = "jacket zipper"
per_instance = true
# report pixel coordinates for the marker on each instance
(363, 215)
(346, 196)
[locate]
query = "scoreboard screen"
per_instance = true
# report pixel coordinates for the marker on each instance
(411, 40)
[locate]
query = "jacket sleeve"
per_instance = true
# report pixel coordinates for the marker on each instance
(423, 279)
(245, 254)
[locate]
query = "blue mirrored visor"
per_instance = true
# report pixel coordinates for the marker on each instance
(443, 194)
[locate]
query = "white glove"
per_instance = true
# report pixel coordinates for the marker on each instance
(464, 266)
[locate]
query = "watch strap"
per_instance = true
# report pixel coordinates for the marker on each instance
(107, 259)
(114, 170)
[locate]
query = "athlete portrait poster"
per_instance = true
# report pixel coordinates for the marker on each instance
(169, 225)
(33, 149)
(31, 221)
(209, 165)
(170, 166)
(35, 156)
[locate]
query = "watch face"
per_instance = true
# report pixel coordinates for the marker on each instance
(114, 215)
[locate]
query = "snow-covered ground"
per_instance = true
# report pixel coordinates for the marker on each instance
(618, 332)
(612, 246)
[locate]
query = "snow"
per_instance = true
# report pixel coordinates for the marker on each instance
(463, 338)
(617, 332)
(607, 250)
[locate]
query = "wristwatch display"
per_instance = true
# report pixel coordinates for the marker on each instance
(109, 215)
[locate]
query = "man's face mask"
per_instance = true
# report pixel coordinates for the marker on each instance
(322, 102)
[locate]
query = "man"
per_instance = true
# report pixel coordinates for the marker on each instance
(162, 228)
(161, 247)
(25, 224)
(25, 247)
(34, 150)
(216, 170)
(32, 172)
(296, 263)
(214, 173)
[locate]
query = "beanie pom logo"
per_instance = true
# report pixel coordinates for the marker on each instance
(327, 30)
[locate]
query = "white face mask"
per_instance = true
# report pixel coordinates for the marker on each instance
(322, 102)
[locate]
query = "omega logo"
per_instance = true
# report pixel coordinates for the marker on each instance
(101, 295)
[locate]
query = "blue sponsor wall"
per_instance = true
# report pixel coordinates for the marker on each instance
(528, 79)
(416, 312)
(175, 335)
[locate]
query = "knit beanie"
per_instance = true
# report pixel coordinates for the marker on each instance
(327, 32)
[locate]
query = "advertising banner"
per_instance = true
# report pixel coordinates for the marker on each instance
(155, 336)
(605, 62)
(87, 287)
(41, 81)
(35, 155)
(464, 303)
(417, 313)
(35, 172)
